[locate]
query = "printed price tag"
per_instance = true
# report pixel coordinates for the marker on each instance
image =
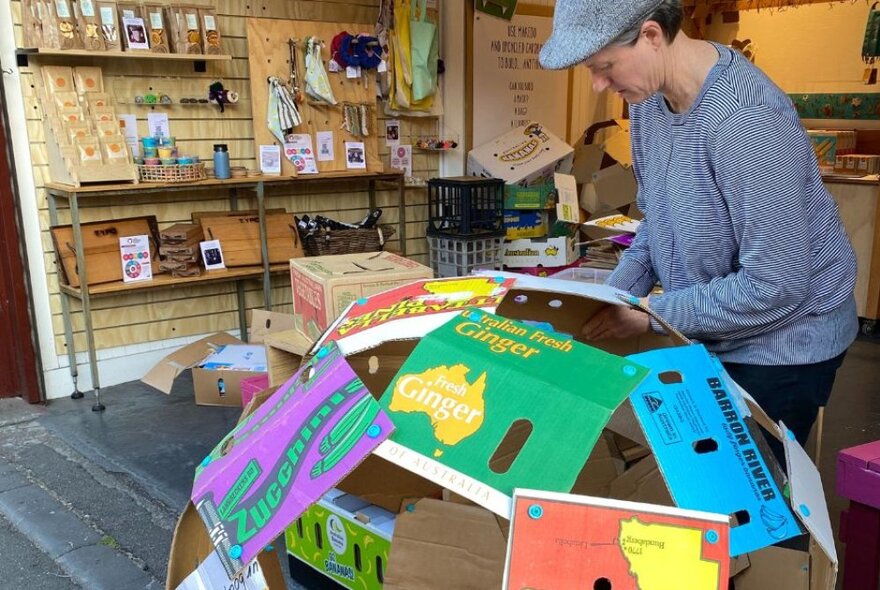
(210, 22)
(63, 8)
(87, 7)
(156, 20)
(353, 72)
(107, 15)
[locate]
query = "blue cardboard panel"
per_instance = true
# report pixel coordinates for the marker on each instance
(705, 449)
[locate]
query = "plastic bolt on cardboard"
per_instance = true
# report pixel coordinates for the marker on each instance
(374, 431)
(535, 511)
(712, 537)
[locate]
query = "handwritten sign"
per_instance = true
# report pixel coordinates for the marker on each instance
(510, 87)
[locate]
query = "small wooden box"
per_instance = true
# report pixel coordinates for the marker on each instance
(239, 237)
(101, 247)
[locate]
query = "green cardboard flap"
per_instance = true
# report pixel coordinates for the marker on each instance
(485, 404)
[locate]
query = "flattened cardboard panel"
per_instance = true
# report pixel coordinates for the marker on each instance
(807, 494)
(265, 322)
(387, 485)
(779, 568)
(569, 542)
(615, 186)
(604, 466)
(412, 310)
(705, 449)
(642, 482)
(466, 548)
(305, 438)
(469, 382)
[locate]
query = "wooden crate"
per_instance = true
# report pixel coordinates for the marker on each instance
(239, 237)
(101, 247)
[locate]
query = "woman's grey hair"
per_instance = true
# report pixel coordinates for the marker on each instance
(668, 15)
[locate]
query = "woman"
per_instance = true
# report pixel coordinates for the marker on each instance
(739, 230)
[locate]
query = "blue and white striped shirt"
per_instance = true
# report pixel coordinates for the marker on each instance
(739, 229)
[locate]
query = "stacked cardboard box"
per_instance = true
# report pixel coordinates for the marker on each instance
(179, 250)
(527, 159)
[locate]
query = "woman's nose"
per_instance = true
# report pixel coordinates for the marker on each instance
(600, 83)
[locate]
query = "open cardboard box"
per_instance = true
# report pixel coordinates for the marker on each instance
(384, 343)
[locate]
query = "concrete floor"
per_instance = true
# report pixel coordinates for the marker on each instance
(157, 439)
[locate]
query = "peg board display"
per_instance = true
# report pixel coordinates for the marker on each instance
(139, 319)
(269, 55)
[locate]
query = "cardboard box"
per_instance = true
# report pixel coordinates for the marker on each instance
(182, 233)
(526, 156)
(285, 352)
(546, 271)
(323, 286)
(539, 196)
(100, 243)
(344, 538)
(239, 237)
(162, 375)
(285, 455)
(217, 379)
(610, 188)
(525, 224)
(550, 252)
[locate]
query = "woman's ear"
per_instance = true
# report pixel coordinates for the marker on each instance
(653, 34)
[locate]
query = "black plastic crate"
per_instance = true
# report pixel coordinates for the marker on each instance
(465, 206)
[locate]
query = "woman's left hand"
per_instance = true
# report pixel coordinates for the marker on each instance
(616, 321)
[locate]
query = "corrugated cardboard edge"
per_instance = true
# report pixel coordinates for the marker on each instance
(191, 545)
(265, 322)
(162, 375)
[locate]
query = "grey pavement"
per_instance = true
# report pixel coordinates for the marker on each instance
(26, 566)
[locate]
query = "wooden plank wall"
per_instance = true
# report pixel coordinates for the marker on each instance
(148, 316)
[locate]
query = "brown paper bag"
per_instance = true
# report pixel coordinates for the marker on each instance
(210, 31)
(157, 28)
(65, 21)
(90, 26)
(109, 17)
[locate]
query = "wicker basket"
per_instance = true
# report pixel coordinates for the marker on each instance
(172, 173)
(346, 241)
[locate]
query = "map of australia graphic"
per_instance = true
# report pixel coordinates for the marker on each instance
(455, 407)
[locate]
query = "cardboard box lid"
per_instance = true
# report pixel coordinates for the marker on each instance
(866, 456)
(191, 551)
(568, 541)
(292, 341)
(285, 455)
(355, 266)
(702, 442)
(411, 311)
(162, 375)
(440, 545)
(499, 396)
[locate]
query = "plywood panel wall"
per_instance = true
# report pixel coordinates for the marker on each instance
(171, 313)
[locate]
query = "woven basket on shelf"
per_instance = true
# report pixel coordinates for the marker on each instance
(346, 241)
(172, 172)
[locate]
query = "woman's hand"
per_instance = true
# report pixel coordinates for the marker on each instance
(616, 321)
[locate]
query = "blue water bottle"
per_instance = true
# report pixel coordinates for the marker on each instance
(221, 161)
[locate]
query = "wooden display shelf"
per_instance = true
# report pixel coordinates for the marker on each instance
(848, 179)
(23, 54)
(166, 280)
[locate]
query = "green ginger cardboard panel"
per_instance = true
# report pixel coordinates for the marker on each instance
(481, 380)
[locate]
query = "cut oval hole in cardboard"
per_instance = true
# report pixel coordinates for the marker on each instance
(521, 299)
(739, 518)
(380, 569)
(555, 303)
(706, 445)
(358, 563)
(227, 446)
(671, 377)
(319, 539)
(602, 584)
(510, 446)
(299, 527)
(373, 365)
(306, 376)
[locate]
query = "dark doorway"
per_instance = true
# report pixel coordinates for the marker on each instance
(19, 375)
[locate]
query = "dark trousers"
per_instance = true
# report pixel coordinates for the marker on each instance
(791, 393)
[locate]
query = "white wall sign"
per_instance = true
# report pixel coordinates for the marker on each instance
(510, 87)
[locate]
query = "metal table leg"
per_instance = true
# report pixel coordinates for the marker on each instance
(401, 222)
(264, 247)
(86, 304)
(65, 311)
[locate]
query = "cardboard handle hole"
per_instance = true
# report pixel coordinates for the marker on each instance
(671, 377)
(358, 563)
(706, 445)
(521, 299)
(380, 569)
(373, 365)
(510, 446)
(739, 518)
(555, 303)
(227, 446)
(602, 584)
(299, 527)
(306, 376)
(319, 537)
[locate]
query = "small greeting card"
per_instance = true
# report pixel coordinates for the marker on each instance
(212, 255)
(298, 150)
(270, 160)
(136, 263)
(355, 155)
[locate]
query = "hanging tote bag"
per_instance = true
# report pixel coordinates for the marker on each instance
(317, 82)
(423, 51)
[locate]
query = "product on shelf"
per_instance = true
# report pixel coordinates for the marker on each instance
(190, 30)
(90, 26)
(109, 15)
(88, 79)
(210, 32)
(157, 28)
(65, 21)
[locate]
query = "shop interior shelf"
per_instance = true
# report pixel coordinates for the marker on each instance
(167, 281)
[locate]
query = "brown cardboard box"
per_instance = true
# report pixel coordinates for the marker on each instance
(324, 286)
(101, 247)
(162, 375)
(182, 233)
(285, 351)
